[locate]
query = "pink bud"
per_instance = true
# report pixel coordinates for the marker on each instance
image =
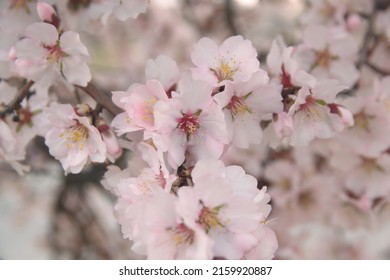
(364, 203)
(46, 12)
(112, 145)
(12, 54)
(353, 22)
(346, 116)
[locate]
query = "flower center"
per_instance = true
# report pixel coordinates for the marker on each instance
(237, 105)
(285, 78)
(182, 235)
(55, 54)
(148, 110)
(76, 136)
(208, 218)
(370, 165)
(147, 179)
(189, 123)
(310, 107)
(323, 58)
(225, 71)
(362, 120)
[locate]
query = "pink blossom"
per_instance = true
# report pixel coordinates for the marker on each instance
(139, 104)
(168, 236)
(325, 11)
(190, 122)
(235, 60)
(226, 203)
(370, 110)
(315, 115)
(134, 193)
(45, 54)
(334, 53)
(286, 69)
(114, 151)
(164, 69)
(245, 104)
(72, 139)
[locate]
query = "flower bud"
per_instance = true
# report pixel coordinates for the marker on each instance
(283, 125)
(46, 12)
(12, 54)
(353, 22)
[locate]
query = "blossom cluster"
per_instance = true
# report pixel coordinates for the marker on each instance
(185, 120)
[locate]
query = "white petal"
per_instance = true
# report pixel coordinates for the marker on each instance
(205, 53)
(71, 44)
(43, 32)
(76, 72)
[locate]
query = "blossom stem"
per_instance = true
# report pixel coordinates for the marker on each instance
(101, 98)
(23, 93)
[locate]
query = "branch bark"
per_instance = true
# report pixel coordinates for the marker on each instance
(20, 96)
(101, 98)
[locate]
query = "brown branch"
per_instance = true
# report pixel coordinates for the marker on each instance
(101, 98)
(377, 69)
(365, 50)
(363, 56)
(20, 96)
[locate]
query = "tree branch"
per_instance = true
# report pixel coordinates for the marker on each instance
(101, 98)
(22, 94)
(377, 69)
(363, 56)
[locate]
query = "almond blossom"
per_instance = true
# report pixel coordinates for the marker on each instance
(370, 110)
(168, 236)
(316, 115)
(325, 11)
(226, 203)
(333, 53)
(72, 139)
(164, 69)
(285, 68)
(235, 60)
(245, 104)
(190, 122)
(139, 103)
(45, 54)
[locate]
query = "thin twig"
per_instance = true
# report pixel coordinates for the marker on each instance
(363, 56)
(102, 98)
(20, 96)
(365, 50)
(377, 69)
